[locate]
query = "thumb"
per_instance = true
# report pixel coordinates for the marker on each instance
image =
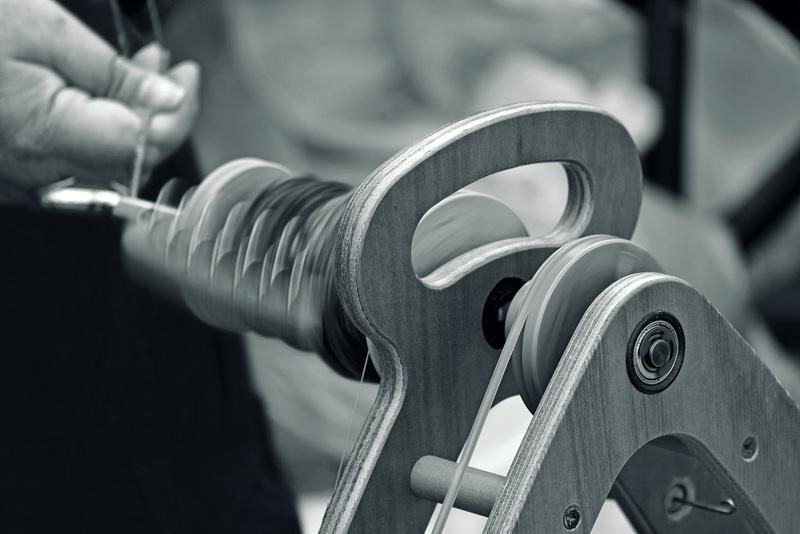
(140, 88)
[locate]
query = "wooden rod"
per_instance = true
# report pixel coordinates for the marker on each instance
(431, 477)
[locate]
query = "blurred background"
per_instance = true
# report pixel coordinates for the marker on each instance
(709, 90)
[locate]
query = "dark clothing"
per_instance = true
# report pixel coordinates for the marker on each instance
(117, 413)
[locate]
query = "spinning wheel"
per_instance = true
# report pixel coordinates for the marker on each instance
(635, 381)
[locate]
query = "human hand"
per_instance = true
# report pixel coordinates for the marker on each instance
(70, 106)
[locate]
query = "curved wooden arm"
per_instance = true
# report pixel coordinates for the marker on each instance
(435, 363)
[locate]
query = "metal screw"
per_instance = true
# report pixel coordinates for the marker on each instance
(572, 516)
(749, 448)
(678, 496)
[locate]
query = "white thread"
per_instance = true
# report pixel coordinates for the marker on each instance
(350, 426)
(138, 159)
(122, 39)
(119, 26)
(483, 412)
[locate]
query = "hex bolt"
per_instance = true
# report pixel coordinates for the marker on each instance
(572, 517)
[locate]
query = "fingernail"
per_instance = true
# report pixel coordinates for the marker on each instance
(148, 56)
(161, 94)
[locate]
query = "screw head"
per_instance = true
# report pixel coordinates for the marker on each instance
(572, 517)
(749, 448)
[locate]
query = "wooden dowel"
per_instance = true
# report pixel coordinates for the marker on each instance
(432, 475)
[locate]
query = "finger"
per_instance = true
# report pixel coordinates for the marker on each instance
(150, 57)
(65, 122)
(100, 135)
(94, 133)
(57, 131)
(138, 87)
(89, 63)
(168, 130)
(45, 123)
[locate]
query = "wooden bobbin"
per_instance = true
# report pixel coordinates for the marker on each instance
(435, 361)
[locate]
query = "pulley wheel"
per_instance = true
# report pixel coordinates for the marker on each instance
(559, 295)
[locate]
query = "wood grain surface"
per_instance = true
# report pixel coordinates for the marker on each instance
(435, 363)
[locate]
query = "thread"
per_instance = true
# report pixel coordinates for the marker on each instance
(119, 27)
(350, 425)
(514, 334)
(569, 281)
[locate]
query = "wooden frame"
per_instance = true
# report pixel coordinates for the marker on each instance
(434, 361)
(725, 407)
